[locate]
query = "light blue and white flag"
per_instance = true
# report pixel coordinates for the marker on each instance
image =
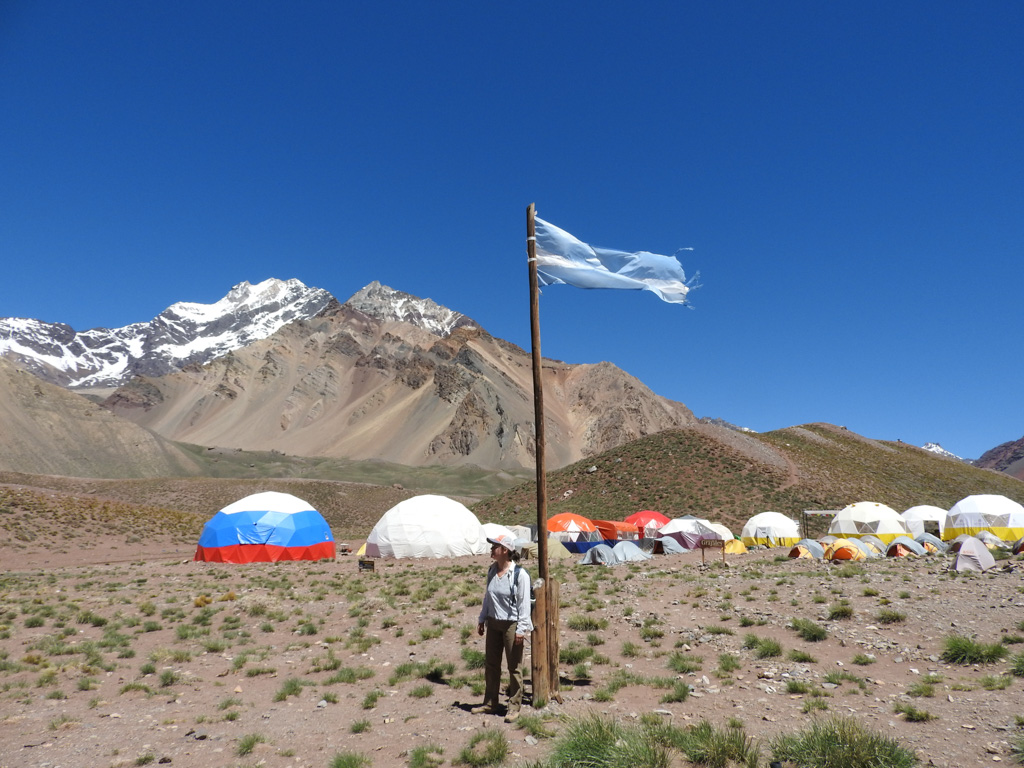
(561, 258)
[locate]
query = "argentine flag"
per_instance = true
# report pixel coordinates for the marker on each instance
(561, 258)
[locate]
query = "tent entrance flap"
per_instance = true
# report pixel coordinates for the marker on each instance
(257, 533)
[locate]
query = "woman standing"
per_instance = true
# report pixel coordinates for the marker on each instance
(505, 615)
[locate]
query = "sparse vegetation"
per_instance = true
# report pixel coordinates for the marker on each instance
(958, 649)
(620, 628)
(486, 747)
(841, 741)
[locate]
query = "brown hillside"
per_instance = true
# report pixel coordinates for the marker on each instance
(727, 476)
(46, 429)
(347, 385)
(1008, 458)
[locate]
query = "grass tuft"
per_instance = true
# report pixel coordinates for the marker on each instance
(248, 743)
(966, 651)
(486, 747)
(843, 742)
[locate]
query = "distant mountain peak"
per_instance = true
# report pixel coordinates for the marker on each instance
(938, 449)
(387, 304)
(184, 333)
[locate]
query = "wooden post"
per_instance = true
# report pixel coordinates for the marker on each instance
(545, 617)
(538, 647)
(554, 684)
(706, 544)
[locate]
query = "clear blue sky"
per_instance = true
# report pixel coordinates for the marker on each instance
(850, 176)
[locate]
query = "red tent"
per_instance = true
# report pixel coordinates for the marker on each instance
(647, 522)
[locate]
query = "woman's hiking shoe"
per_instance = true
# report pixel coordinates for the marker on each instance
(485, 709)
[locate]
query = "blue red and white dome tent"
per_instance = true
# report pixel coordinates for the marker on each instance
(266, 527)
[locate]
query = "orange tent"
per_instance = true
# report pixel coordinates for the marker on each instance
(841, 549)
(577, 533)
(568, 522)
(614, 531)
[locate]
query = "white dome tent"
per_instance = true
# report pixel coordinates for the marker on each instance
(770, 529)
(917, 519)
(868, 517)
(985, 512)
(427, 526)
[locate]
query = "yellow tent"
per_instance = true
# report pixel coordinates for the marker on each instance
(734, 547)
(842, 549)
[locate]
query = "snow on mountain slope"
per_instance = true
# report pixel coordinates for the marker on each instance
(183, 333)
(386, 304)
(938, 449)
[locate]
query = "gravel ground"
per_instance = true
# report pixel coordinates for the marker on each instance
(120, 658)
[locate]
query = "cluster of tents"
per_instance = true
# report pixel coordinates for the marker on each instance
(272, 526)
(972, 529)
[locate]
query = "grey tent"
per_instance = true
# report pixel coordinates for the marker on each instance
(954, 545)
(868, 551)
(973, 556)
(874, 542)
(807, 548)
(629, 552)
(990, 540)
(925, 539)
(909, 546)
(670, 546)
(600, 554)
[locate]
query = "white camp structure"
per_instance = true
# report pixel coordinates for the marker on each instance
(494, 530)
(770, 529)
(868, 517)
(689, 531)
(427, 526)
(917, 518)
(985, 512)
(720, 529)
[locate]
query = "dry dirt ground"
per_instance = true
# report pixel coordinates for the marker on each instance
(133, 655)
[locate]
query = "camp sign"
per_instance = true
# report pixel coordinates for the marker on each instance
(711, 544)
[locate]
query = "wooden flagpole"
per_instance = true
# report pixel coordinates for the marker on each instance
(545, 646)
(538, 396)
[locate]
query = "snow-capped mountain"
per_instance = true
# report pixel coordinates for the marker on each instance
(387, 304)
(938, 449)
(183, 333)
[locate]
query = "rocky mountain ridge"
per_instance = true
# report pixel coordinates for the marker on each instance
(385, 376)
(1007, 457)
(183, 334)
(348, 384)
